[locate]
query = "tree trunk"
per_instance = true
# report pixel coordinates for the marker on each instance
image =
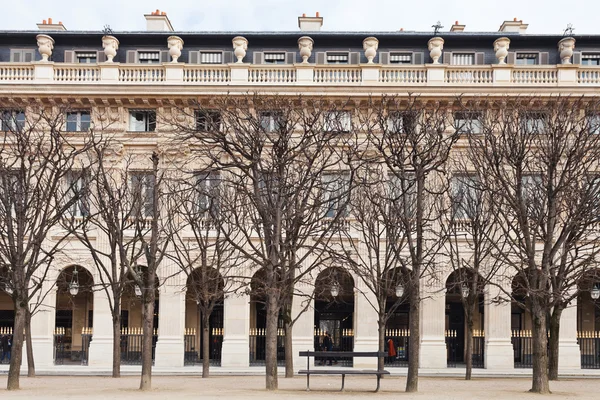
(271, 343)
(17, 345)
(29, 345)
(289, 355)
(205, 345)
(412, 378)
(116, 362)
(148, 335)
(553, 345)
(382, 345)
(469, 349)
(540, 382)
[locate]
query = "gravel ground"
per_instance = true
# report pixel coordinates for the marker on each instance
(251, 387)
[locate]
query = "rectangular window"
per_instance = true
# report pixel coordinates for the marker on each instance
(465, 196)
(149, 57)
(335, 194)
(274, 58)
(207, 191)
(400, 58)
(22, 55)
(527, 59)
(467, 122)
(208, 121)
(338, 121)
(463, 58)
(12, 120)
(271, 121)
(403, 191)
(142, 121)
(590, 59)
(534, 122)
(142, 194)
(532, 189)
(77, 192)
(337, 58)
(594, 123)
(86, 57)
(211, 57)
(78, 121)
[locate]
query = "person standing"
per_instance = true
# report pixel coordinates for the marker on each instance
(327, 345)
(5, 344)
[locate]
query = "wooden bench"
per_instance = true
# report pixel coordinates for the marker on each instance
(339, 371)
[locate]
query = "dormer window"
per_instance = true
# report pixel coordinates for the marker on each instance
(337, 58)
(527, 59)
(86, 57)
(274, 58)
(400, 58)
(590, 59)
(149, 57)
(211, 57)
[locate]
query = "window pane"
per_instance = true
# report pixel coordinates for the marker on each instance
(71, 122)
(137, 121)
(85, 122)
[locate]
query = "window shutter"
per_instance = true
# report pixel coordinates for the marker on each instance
(577, 57)
(355, 57)
(418, 58)
(15, 55)
(290, 57)
(100, 57)
(69, 56)
(479, 58)
(131, 57)
(384, 57)
(28, 55)
(321, 57)
(511, 58)
(544, 58)
(193, 57)
(227, 57)
(164, 56)
(447, 57)
(257, 57)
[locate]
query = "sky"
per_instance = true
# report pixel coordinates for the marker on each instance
(549, 16)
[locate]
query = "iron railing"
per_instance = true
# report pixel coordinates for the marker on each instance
(400, 339)
(6, 337)
(86, 338)
(193, 347)
(258, 346)
(454, 349)
(589, 347)
(345, 342)
(522, 348)
(132, 340)
(61, 349)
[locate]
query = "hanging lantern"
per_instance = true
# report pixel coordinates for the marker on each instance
(138, 291)
(74, 285)
(335, 289)
(465, 290)
(595, 292)
(399, 290)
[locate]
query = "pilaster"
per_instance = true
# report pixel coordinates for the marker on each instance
(569, 356)
(171, 324)
(42, 329)
(303, 331)
(433, 322)
(236, 343)
(498, 346)
(101, 346)
(365, 326)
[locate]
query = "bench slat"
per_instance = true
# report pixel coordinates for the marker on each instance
(343, 354)
(342, 372)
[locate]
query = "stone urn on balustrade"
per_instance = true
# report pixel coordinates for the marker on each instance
(501, 46)
(566, 47)
(175, 46)
(435, 47)
(45, 45)
(110, 44)
(240, 45)
(305, 45)
(370, 46)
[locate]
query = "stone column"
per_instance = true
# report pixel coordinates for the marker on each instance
(171, 324)
(365, 325)
(303, 330)
(569, 356)
(236, 343)
(498, 347)
(101, 346)
(433, 323)
(42, 328)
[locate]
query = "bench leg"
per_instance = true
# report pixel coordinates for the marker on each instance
(378, 380)
(308, 382)
(343, 380)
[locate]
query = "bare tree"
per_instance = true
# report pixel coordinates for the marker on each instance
(275, 154)
(199, 245)
(536, 158)
(36, 157)
(410, 136)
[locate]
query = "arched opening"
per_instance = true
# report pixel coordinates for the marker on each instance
(588, 319)
(74, 315)
(334, 313)
(258, 322)
(458, 289)
(132, 319)
(397, 309)
(7, 316)
(520, 322)
(204, 290)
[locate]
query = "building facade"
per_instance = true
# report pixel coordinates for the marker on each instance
(133, 76)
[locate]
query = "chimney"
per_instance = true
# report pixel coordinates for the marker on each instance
(516, 26)
(457, 27)
(49, 26)
(157, 21)
(310, 24)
